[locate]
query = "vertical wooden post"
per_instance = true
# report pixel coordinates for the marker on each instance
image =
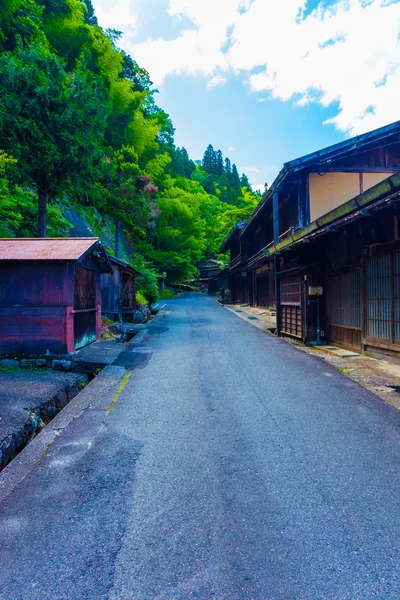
(363, 304)
(276, 216)
(307, 210)
(277, 296)
(301, 203)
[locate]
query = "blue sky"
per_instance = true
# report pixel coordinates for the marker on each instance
(265, 81)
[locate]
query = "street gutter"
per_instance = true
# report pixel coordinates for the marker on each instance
(99, 395)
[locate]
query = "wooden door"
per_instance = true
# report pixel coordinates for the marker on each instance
(85, 310)
(343, 309)
(291, 305)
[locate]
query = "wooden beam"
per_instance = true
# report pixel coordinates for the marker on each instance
(276, 216)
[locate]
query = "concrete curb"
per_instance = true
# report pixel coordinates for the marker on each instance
(260, 325)
(96, 395)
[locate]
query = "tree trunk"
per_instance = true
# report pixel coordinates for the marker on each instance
(118, 235)
(42, 212)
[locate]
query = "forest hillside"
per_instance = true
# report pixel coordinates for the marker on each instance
(80, 129)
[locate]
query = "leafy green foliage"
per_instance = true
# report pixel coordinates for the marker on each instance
(167, 293)
(81, 128)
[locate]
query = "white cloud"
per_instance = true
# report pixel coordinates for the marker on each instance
(249, 169)
(342, 54)
(348, 52)
(231, 149)
(197, 50)
(119, 15)
(217, 80)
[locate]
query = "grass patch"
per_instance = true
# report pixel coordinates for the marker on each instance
(105, 321)
(344, 371)
(167, 293)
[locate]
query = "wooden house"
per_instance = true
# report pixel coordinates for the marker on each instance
(286, 263)
(50, 296)
(208, 270)
(118, 291)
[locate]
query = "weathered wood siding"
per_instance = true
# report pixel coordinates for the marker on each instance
(33, 307)
(111, 290)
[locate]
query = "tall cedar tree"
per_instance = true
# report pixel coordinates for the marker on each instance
(50, 123)
(210, 160)
(219, 163)
(235, 179)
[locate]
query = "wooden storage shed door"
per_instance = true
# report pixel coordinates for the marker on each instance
(343, 309)
(382, 302)
(291, 306)
(85, 311)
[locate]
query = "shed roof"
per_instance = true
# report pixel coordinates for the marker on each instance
(53, 249)
(124, 265)
(45, 248)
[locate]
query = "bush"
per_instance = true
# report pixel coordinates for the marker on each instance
(147, 281)
(167, 293)
(140, 299)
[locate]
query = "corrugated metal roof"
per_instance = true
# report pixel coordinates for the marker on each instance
(45, 249)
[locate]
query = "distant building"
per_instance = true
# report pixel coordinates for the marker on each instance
(208, 270)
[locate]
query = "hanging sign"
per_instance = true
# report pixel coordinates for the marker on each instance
(315, 290)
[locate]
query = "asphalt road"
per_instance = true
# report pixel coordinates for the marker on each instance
(232, 467)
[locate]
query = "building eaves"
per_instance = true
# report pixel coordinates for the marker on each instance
(314, 158)
(353, 143)
(383, 192)
(224, 247)
(124, 264)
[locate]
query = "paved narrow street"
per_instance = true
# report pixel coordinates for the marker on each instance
(232, 466)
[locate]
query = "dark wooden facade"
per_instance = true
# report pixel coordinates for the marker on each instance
(208, 270)
(351, 250)
(50, 299)
(219, 282)
(118, 290)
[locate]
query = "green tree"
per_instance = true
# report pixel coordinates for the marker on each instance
(219, 163)
(209, 160)
(235, 179)
(51, 122)
(90, 17)
(244, 182)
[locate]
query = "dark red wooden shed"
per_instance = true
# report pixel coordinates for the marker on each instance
(118, 290)
(50, 295)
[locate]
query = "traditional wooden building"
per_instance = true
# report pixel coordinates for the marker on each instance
(50, 295)
(118, 291)
(208, 270)
(219, 282)
(287, 264)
